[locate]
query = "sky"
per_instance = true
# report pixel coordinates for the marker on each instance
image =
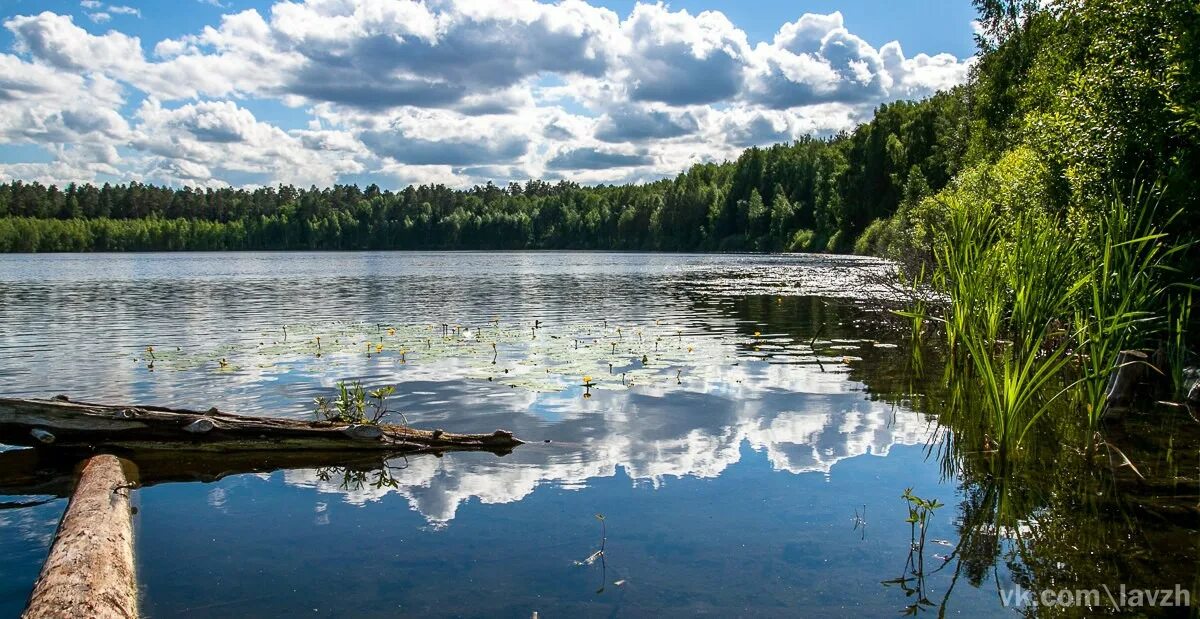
(211, 93)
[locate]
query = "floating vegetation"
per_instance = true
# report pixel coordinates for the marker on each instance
(609, 357)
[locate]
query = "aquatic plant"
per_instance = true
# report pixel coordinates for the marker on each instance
(1179, 312)
(917, 310)
(912, 579)
(351, 403)
(1125, 291)
(601, 555)
(1037, 312)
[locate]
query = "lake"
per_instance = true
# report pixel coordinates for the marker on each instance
(739, 447)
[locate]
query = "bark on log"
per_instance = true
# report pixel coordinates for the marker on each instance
(90, 570)
(60, 424)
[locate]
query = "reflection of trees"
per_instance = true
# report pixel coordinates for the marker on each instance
(1055, 518)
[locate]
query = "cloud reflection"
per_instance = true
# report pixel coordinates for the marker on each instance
(805, 424)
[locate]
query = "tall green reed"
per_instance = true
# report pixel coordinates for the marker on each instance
(1007, 289)
(1179, 312)
(1128, 288)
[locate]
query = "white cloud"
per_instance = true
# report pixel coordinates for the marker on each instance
(458, 90)
(75, 117)
(193, 140)
(57, 41)
(679, 59)
(817, 60)
(124, 10)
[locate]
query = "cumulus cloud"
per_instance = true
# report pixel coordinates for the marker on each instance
(454, 152)
(636, 124)
(57, 41)
(456, 91)
(679, 59)
(377, 54)
(817, 60)
(596, 159)
(189, 142)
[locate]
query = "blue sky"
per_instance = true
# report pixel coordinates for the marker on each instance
(452, 91)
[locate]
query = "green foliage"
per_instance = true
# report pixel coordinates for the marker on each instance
(802, 240)
(1005, 291)
(912, 580)
(758, 202)
(1042, 261)
(835, 242)
(1179, 313)
(1029, 300)
(919, 510)
(1128, 293)
(878, 236)
(351, 403)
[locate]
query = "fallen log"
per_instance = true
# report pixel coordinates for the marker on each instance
(60, 423)
(90, 570)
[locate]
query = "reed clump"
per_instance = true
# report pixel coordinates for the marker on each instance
(1036, 313)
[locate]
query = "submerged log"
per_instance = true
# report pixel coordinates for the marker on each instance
(90, 570)
(1131, 368)
(61, 424)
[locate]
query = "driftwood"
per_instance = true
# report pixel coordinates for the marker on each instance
(59, 423)
(90, 570)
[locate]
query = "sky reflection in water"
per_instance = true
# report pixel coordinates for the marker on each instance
(729, 479)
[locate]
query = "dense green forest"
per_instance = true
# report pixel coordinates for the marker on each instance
(1067, 99)
(811, 194)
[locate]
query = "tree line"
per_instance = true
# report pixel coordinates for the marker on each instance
(811, 194)
(1067, 98)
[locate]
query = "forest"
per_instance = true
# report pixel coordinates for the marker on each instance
(812, 194)
(1067, 101)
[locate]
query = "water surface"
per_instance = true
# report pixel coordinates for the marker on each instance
(753, 424)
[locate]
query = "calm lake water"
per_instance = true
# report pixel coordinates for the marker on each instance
(753, 423)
